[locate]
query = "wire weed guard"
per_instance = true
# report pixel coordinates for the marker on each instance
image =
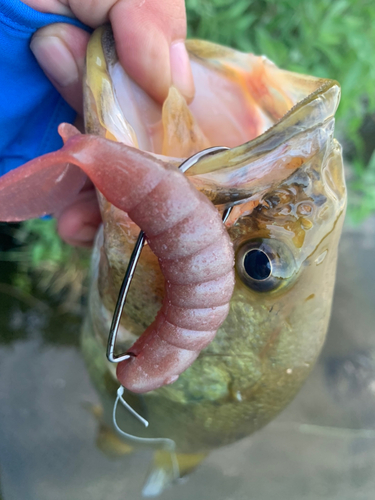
(163, 443)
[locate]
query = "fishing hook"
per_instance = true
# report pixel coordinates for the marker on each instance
(124, 290)
(166, 443)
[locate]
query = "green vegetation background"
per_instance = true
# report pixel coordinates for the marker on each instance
(326, 38)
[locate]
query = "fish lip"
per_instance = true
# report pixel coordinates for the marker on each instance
(261, 143)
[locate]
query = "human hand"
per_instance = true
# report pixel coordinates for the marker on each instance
(149, 38)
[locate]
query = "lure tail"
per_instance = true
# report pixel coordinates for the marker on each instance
(183, 229)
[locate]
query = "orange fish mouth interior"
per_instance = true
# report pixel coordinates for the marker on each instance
(232, 106)
(273, 120)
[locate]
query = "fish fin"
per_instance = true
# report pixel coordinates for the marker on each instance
(110, 443)
(163, 472)
(187, 462)
(107, 439)
(161, 475)
(95, 409)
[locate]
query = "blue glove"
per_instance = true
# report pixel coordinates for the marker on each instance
(30, 107)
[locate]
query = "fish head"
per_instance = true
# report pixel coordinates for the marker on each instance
(283, 178)
(282, 175)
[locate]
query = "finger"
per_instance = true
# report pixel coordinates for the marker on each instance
(150, 43)
(60, 51)
(149, 38)
(78, 223)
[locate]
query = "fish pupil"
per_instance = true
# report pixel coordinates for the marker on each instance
(257, 265)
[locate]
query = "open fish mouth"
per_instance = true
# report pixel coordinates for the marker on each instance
(273, 120)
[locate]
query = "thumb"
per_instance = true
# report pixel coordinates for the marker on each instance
(60, 50)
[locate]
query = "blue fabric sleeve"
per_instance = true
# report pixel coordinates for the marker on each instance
(30, 107)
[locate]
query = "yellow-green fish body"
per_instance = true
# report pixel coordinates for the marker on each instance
(284, 177)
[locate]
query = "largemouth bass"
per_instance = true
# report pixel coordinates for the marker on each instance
(283, 176)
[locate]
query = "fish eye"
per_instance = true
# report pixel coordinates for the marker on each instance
(265, 264)
(257, 264)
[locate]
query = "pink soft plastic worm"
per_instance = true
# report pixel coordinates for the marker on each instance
(183, 229)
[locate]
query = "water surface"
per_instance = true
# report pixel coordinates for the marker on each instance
(321, 447)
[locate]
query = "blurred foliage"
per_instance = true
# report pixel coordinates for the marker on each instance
(330, 39)
(48, 264)
(362, 195)
(325, 38)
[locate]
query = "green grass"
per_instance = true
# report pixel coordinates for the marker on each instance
(362, 195)
(326, 38)
(330, 39)
(45, 264)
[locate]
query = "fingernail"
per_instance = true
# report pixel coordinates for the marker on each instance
(55, 59)
(182, 77)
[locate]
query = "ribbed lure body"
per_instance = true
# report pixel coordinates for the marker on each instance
(184, 230)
